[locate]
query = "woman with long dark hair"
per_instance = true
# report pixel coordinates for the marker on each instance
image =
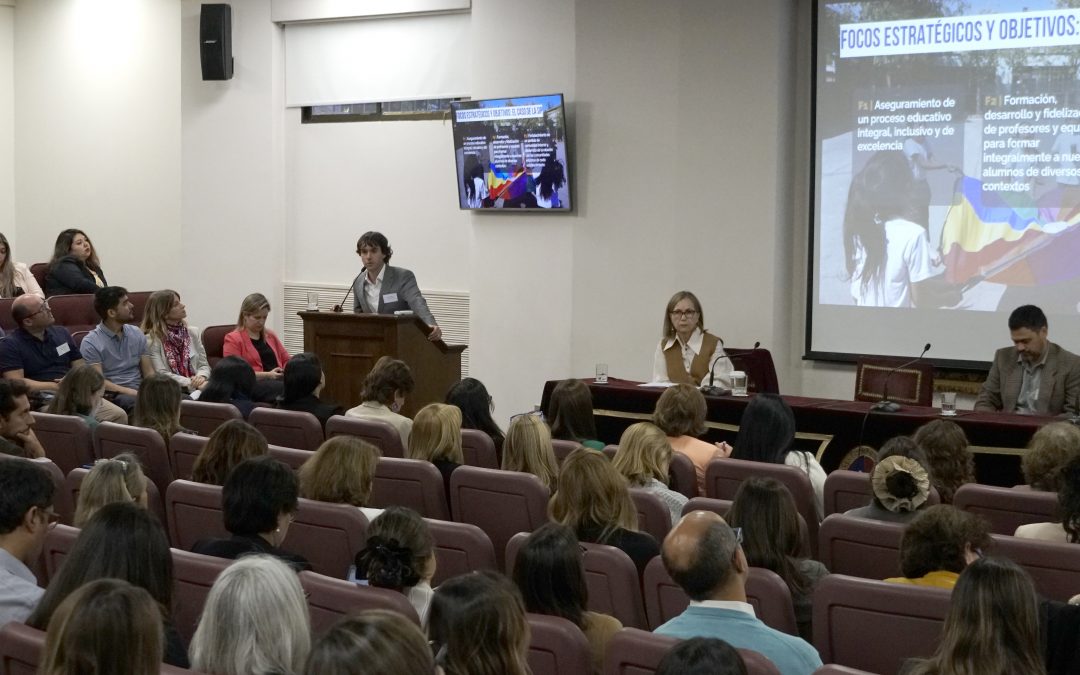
(304, 381)
(570, 413)
(74, 267)
(231, 381)
(472, 398)
(477, 626)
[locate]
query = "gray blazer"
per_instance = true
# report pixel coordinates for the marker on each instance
(1059, 388)
(399, 282)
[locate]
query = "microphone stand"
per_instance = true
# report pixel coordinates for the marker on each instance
(710, 389)
(340, 308)
(885, 405)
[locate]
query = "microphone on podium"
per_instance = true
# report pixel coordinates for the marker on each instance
(885, 405)
(341, 307)
(712, 390)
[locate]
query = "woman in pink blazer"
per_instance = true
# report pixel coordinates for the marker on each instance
(258, 345)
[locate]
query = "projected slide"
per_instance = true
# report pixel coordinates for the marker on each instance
(947, 160)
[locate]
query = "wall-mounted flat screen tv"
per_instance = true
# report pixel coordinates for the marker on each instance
(511, 153)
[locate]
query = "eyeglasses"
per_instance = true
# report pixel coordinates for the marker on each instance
(51, 518)
(738, 534)
(684, 313)
(44, 308)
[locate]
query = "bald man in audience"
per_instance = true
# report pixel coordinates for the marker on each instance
(40, 353)
(26, 514)
(703, 555)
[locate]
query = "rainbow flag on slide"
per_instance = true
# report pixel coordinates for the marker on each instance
(1011, 238)
(507, 185)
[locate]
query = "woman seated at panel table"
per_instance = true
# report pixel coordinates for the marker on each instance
(74, 267)
(686, 351)
(259, 346)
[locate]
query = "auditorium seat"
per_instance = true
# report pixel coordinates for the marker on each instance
(77, 337)
(1053, 566)
(720, 507)
(112, 439)
(193, 512)
(1006, 509)
(213, 339)
(204, 418)
(610, 451)
(154, 503)
(288, 428)
(683, 475)
(460, 548)
(903, 621)
(183, 450)
(330, 599)
(21, 648)
(40, 270)
(328, 535)
(410, 482)
(501, 503)
(860, 547)
(138, 300)
(62, 503)
(294, 457)
(563, 448)
(911, 385)
(557, 647)
(478, 449)
(637, 652)
(67, 440)
(654, 517)
(381, 434)
(74, 312)
(846, 490)
(614, 585)
(58, 543)
(7, 322)
(193, 575)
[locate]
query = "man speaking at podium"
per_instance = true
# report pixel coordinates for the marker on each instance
(382, 289)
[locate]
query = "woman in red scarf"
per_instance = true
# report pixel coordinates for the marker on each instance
(175, 348)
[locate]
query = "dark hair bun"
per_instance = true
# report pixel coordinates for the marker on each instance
(387, 564)
(902, 485)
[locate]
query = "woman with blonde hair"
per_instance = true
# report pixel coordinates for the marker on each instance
(643, 459)
(157, 406)
(436, 438)
(528, 449)
(1051, 448)
(259, 346)
(119, 479)
(255, 621)
(231, 443)
(340, 472)
(372, 642)
(478, 626)
(79, 394)
(594, 501)
(687, 351)
(15, 277)
(175, 348)
(680, 413)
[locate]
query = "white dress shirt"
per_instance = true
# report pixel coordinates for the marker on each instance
(372, 290)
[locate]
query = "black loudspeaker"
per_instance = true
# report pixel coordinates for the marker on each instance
(215, 42)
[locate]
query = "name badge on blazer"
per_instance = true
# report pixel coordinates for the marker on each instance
(389, 297)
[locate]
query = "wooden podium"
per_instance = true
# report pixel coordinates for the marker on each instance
(349, 344)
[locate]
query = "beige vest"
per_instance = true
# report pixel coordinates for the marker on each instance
(699, 367)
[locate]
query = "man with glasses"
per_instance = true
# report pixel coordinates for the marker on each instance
(704, 556)
(40, 353)
(26, 496)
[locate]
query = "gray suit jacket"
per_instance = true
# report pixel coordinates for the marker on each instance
(398, 282)
(1059, 388)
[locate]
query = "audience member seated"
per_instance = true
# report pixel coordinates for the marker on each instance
(436, 438)
(119, 479)
(643, 459)
(157, 406)
(26, 515)
(949, 461)
(373, 642)
(687, 352)
(550, 573)
(476, 405)
(702, 656)
(117, 348)
(477, 625)
(231, 381)
(341, 472)
(938, 544)
(1051, 448)
(41, 353)
(15, 277)
(400, 555)
(228, 445)
(74, 267)
(767, 434)
(120, 541)
(258, 501)
(899, 482)
(107, 626)
(680, 413)
(1068, 530)
(175, 348)
(703, 556)
(594, 501)
(992, 625)
(255, 621)
(764, 511)
(16, 433)
(570, 413)
(259, 346)
(81, 392)
(528, 449)
(303, 382)
(383, 395)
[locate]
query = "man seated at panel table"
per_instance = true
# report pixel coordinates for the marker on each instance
(1034, 376)
(40, 353)
(117, 348)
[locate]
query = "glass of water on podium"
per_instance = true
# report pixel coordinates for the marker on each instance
(738, 383)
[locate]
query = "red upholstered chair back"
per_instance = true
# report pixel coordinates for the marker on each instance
(78, 335)
(846, 490)
(557, 647)
(654, 516)
(460, 548)
(289, 428)
(771, 598)
(911, 617)
(479, 449)
(58, 543)
(112, 439)
(213, 338)
(614, 585)
(330, 599)
(1006, 509)
(412, 483)
(39, 270)
(21, 649)
(62, 503)
(193, 575)
(683, 475)
(610, 451)
(138, 299)
(292, 456)
(328, 535)
(154, 503)
(74, 312)
(721, 507)
(664, 599)
(204, 418)
(67, 440)
(860, 547)
(563, 448)
(184, 449)
(910, 385)
(7, 322)
(381, 434)
(638, 652)
(1054, 567)
(193, 512)
(501, 503)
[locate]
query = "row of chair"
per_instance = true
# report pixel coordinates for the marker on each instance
(74, 312)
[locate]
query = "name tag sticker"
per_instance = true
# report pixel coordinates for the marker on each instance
(63, 349)
(390, 297)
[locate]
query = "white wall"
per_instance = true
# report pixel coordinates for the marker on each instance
(7, 122)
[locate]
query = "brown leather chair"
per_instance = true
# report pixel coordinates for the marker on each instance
(664, 599)
(154, 503)
(845, 607)
(381, 434)
(637, 652)
(1006, 509)
(1053, 566)
(21, 648)
(328, 535)
(563, 448)
(184, 449)
(204, 418)
(911, 385)
(683, 475)
(74, 312)
(213, 339)
(721, 507)
(557, 647)
(460, 548)
(860, 547)
(193, 512)
(292, 456)
(654, 517)
(193, 575)
(501, 503)
(330, 599)
(58, 543)
(288, 428)
(846, 490)
(111, 439)
(759, 367)
(67, 440)
(412, 483)
(479, 449)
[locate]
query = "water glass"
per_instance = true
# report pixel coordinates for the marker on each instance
(948, 404)
(601, 373)
(738, 383)
(313, 301)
